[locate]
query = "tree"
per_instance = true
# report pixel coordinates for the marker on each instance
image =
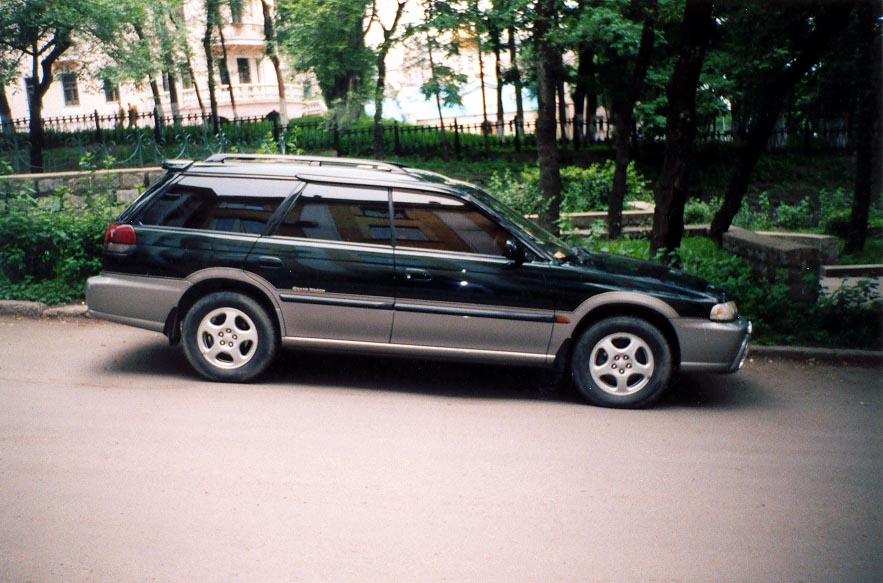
(624, 111)
(548, 71)
(808, 28)
(212, 21)
(272, 51)
(42, 31)
(670, 193)
(869, 146)
(381, 51)
(327, 37)
(444, 83)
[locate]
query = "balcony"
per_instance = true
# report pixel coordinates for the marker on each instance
(242, 35)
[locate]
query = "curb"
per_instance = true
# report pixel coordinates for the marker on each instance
(21, 309)
(827, 355)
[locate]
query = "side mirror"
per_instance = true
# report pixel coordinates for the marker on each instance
(515, 251)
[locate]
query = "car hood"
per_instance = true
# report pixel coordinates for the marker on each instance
(647, 275)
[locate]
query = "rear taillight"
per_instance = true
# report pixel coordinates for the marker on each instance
(119, 238)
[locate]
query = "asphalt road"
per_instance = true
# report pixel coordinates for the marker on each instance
(118, 464)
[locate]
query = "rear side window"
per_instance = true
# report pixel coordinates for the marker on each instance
(339, 213)
(218, 204)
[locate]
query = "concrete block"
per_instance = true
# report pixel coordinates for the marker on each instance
(828, 246)
(21, 309)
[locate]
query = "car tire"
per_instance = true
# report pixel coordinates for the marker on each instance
(229, 337)
(621, 362)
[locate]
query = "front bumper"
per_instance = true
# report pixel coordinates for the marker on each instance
(708, 346)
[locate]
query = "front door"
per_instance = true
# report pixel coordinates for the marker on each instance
(456, 289)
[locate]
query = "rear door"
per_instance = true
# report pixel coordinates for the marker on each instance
(331, 261)
(456, 289)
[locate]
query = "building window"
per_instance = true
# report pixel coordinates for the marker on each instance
(242, 65)
(222, 69)
(69, 86)
(186, 80)
(308, 90)
(236, 12)
(29, 87)
(111, 91)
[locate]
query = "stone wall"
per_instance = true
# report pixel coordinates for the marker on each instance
(127, 183)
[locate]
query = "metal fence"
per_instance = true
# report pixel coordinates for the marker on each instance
(132, 139)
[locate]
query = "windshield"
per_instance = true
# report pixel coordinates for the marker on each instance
(538, 235)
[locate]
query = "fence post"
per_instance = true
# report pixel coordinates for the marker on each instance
(397, 148)
(577, 132)
(456, 138)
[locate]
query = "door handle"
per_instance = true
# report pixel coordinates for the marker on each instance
(412, 274)
(269, 262)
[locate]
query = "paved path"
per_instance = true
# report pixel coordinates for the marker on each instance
(117, 464)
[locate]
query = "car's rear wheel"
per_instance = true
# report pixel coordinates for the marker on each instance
(622, 362)
(229, 337)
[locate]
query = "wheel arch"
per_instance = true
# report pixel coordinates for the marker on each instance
(658, 318)
(205, 283)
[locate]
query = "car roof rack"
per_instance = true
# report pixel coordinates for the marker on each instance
(176, 165)
(310, 160)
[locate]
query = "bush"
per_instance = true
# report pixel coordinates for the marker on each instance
(583, 189)
(851, 318)
(50, 245)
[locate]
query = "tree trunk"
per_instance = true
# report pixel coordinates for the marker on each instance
(869, 143)
(828, 22)
(547, 56)
(225, 62)
(6, 122)
(624, 119)
(211, 19)
(670, 194)
(273, 53)
(173, 98)
(378, 106)
(441, 118)
(584, 80)
(485, 124)
(498, 73)
(562, 102)
(519, 99)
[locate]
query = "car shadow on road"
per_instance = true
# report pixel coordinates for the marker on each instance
(433, 378)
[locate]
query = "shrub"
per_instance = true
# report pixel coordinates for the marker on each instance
(583, 188)
(851, 318)
(50, 245)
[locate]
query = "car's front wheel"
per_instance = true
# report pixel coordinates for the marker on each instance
(229, 337)
(622, 362)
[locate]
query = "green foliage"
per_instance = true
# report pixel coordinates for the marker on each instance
(850, 318)
(584, 188)
(50, 245)
(327, 38)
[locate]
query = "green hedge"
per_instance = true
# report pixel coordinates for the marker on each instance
(50, 245)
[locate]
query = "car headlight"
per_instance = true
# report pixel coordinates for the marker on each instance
(726, 312)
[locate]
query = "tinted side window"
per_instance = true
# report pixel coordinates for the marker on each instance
(339, 213)
(214, 204)
(430, 221)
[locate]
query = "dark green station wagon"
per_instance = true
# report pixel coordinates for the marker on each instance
(240, 254)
